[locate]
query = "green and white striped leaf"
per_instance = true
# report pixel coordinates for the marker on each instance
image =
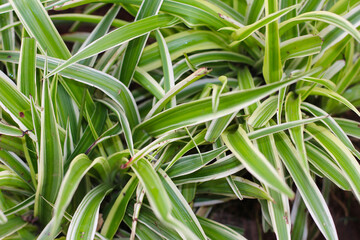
(201, 110)
(86, 216)
(310, 194)
(50, 166)
(118, 37)
(263, 113)
(343, 157)
(215, 230)
(253, 160)
(135, 47)
(181, 210)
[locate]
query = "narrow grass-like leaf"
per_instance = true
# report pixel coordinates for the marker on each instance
(281, 127)
(12, 226)
(199, 59)
(100, 30)
(194, 162)
(272, 67)
(181, 210)
(119, 111)
(106, 83)
(50, 168)
(233, 187)
(246, 31)
(26, 77)
(135, 47)
(340, 153)
(148, 219)
(254, 11)
(15, 103)
(117, 210)
(302, 46)
(222, 168)
(247, 188)
(38, 24)
(20, 206)
(149, 83)
(215, 230)
(3, 218)
(8, 38)
(323, 16)
(9, 130)
(350, 127)
(86, 216)
(157, 196)
(254, 161)
(309, 192)
(263, 113)
(299, 216)
(17, 165)
(77, 170)
(325, 165)
(293, 113)
(168, 71)
(330, 94)
(176, 89)
(11, 181)
(217, 127)
(201, 110)
(118, 37)
(279, 209)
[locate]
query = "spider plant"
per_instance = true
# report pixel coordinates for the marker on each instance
(138, 128)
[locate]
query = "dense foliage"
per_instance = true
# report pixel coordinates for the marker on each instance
(138, 127)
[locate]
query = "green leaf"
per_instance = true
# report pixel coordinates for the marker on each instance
(85, 219)
(194, 162)
(200, 111)
(298, 47)
(293, 113)
(246, 31)
(39, 25)
(135, 47)
(281, 127)
(181, 210)
(254, 161)
(350, 127)
(310, 193)
(169, 81)
(50, 167)
(26, 79)
(106, 83)
(176, 89)
(272, 67)
(12, 182)
(327, 17)
(118, 209)
(340, 154)
(15, 103)
(264, 112)
(119, 111)
(118, 37)
(247, 188)
(158, 198)
(12, 226)
(17, 165)
(326, 166)
(215, 230)
(9, 130)
(279, 209)
(222, 168)
(20, 206)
